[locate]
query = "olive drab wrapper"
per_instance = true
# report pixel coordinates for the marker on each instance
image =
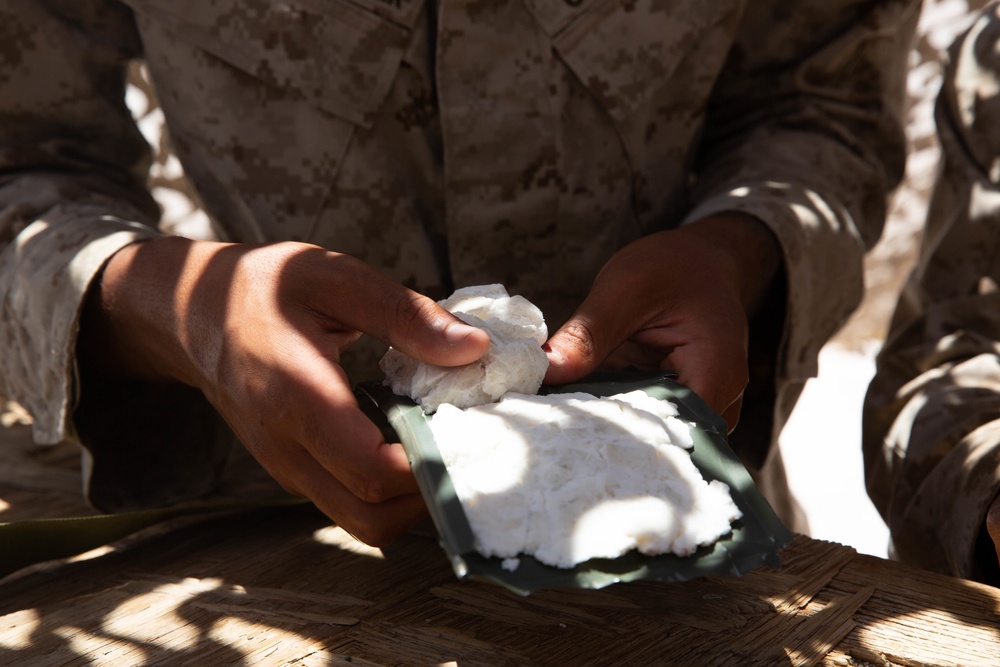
(756, 538)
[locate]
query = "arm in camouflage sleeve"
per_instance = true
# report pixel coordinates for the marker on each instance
(171, 321)
(805, 134)
(932, 412)
(804, 139)
(72, 172)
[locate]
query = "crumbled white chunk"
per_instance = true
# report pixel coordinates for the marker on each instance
(570, 477)
(510, 564)
(515, 361)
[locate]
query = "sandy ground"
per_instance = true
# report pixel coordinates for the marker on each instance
(822, 441)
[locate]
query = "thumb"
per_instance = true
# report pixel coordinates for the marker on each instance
(420, 328)
(583, 343)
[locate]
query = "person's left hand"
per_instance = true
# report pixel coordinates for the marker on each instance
(675, 300)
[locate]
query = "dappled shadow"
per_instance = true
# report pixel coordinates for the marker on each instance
(271, 587)
(179, 597)
(251, 589)
(275, 586)
(268, 587)
(614, 461)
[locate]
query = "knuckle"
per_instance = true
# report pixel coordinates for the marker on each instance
(369, 489)
(410, 312)
(581, 337)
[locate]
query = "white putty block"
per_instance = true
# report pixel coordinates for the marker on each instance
(515, 361)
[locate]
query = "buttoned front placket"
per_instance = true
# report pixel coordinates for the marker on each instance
(503, 95)
(498, 137)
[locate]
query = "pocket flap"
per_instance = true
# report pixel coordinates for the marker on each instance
(339, 55)
(625, 50)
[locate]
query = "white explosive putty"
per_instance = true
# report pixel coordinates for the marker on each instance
(515, 361)
(570, 477)
(566, 477)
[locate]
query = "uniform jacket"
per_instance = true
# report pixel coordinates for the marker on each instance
(448, 143)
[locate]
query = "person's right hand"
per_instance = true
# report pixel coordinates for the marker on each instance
(259, 329)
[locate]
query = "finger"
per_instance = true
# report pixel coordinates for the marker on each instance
(633, 356)
(420, 328)
(340, 437)
(375, 523)
(717, 374)
(580, 346)
(412, 323)
(731, 415)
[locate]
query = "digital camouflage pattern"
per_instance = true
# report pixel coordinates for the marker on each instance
(448, 143)
(932, 412)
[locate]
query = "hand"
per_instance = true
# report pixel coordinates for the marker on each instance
(259, 330)
(676, 300)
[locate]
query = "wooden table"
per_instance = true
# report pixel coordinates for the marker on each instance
(277, 587)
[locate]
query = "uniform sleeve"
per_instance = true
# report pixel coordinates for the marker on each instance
(73, 170)
(805, 133)
(932, 412)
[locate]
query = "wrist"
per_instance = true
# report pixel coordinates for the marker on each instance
(134, 323)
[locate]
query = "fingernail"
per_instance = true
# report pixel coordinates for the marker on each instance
(556, 356)
(456, 332)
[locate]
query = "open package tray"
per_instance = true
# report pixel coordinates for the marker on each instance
(755, 540)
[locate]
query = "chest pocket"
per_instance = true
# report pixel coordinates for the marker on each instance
(262, 97)
(652, 65)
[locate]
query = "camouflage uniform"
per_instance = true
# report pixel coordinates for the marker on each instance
(449, 143)
(932, 413)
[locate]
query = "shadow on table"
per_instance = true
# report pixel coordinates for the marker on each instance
(281, 586)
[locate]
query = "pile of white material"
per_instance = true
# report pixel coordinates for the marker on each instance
(515, 361)
(570, 477)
